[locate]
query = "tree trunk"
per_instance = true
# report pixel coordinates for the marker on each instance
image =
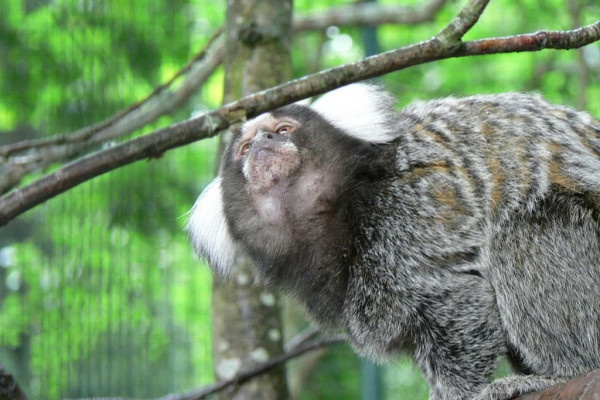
(246, 317)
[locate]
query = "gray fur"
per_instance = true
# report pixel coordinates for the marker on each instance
(473, 233)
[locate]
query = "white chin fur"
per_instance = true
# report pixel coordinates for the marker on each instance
(208, 231)
(361, 110)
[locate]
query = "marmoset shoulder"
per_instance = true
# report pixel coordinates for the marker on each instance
(456, 231)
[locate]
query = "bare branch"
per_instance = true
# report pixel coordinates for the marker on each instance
(369, 14)
(22, 158)
(259, 370)
(301, 338)
(212, 51)
(468, 16)
(559, 40)
(209, 124)
(243, 377)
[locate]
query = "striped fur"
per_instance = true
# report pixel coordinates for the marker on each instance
(455, 231)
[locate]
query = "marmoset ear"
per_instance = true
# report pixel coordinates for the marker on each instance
(360, 110)
(208, 230)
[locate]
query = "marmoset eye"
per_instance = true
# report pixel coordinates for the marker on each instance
(284, 130)
(245, 148)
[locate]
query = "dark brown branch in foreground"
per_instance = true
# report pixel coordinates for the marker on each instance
(9, 388)
(584, 387)
(155, 144)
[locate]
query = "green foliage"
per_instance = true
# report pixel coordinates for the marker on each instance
(107, 291)
(103, 295)
(336, 376)
(404, 381)
(57, 56)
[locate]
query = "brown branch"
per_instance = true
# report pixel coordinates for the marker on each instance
(466, 18)
(369, 14)
(209, 124)
(244, 377)
(584, 387)
(22, 158)
(87, 133)
(259, 370)
(559, 40)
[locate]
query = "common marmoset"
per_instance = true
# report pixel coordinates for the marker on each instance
(456, 230)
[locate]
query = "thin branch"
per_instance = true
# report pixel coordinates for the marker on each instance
(369, 14)
(259, 370)
(244, 377)
(209, 124)
(22, 158)
(465, 20)
(301, 338)
(558, 40)
(84, 134)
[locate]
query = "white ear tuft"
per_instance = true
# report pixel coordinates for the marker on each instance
(208, 231)
(361, 110)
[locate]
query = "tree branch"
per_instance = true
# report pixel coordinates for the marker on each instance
(456, 29)
(369, 14)
(583, 387)
(209, 124)
(202, 393)
(197, 66)
(259, 370)
(22, 158)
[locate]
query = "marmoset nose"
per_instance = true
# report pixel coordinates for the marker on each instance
(268, 135)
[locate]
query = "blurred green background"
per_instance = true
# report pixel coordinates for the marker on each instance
(99, 292)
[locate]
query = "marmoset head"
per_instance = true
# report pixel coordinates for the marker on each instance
(283, 175)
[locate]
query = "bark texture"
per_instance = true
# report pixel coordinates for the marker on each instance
(584, 387)
(247, 327)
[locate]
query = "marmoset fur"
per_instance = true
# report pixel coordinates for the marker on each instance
(456, 230)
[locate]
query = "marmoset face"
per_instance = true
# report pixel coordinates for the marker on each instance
(266, 151)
